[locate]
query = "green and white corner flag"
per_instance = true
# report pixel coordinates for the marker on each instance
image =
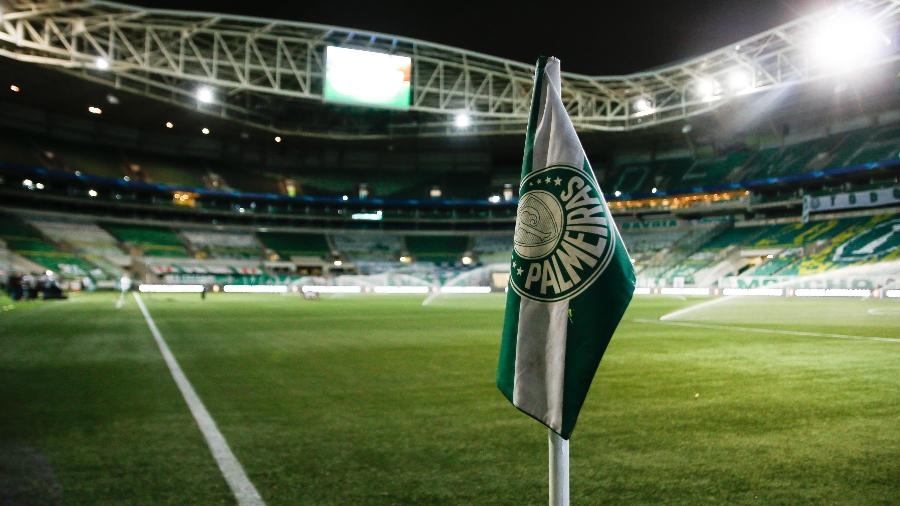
(571, 277)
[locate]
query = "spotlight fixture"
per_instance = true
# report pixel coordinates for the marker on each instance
(462, 120)
(205, 94)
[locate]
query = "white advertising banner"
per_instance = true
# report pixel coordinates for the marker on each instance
(864, 198)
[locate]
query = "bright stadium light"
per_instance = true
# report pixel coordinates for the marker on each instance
(39, 186)
(92, 193)
(462, 120)
(494, 199)
(345, 197)
(708, 89)
(643, 105)
(205, 94)
(278, 138)
(169, 124)
(14, 88)
(101, 63)
(738, 81)
(204, 131)
(617, 193)
(95, 110)
(466, 260)
(847, 40)
(654, 190)
(338, 263)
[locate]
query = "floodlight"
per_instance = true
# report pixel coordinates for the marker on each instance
(462, 120)
(169, 124)
(345, 198)
(738, 81)
(95, 110)
(617, 193)
(653, 190)
(27, 183)
(338, 263)
(205, 94)
(466, 260)
(14, 88)
(92, 192)
(39, 186)
(643, 105)
(708, 89)
(493, 199)
(204, 130)
(847, 40)
(102, 63)
(278, 138)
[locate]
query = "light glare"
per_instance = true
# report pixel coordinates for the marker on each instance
(205, 94)
(462, 120)
(847, 40)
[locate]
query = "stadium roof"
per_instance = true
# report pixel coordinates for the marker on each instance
(269, 73)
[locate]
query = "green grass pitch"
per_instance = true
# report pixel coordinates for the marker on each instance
(380, 400)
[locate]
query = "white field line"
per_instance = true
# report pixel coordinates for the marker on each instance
(692, 308)
(234, 474)
(768, 331)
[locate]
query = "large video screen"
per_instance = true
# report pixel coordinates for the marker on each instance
(357, 77)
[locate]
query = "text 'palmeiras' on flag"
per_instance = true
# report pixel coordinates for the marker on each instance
(571, 278)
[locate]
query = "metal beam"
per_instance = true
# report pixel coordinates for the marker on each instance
(257, 65)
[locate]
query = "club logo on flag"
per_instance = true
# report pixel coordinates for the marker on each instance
(562, 241)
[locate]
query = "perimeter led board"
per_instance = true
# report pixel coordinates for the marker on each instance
(366, 78)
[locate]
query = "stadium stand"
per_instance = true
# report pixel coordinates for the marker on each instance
(224, 245)
(88, 240)
(148, 240)
(26, 241)
(290, 245)
(437, 249)
(368, 246)
(492, 248)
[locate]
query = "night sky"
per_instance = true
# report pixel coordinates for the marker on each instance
(600, 37)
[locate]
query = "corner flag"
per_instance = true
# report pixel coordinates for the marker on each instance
(571, 277)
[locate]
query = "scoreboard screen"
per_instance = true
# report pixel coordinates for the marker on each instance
(357, 77)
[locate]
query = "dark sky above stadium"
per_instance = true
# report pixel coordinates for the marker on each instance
(600, 37)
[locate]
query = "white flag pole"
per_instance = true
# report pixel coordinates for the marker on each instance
(559, 470)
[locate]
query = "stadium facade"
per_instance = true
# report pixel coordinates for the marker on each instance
(755, 166)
